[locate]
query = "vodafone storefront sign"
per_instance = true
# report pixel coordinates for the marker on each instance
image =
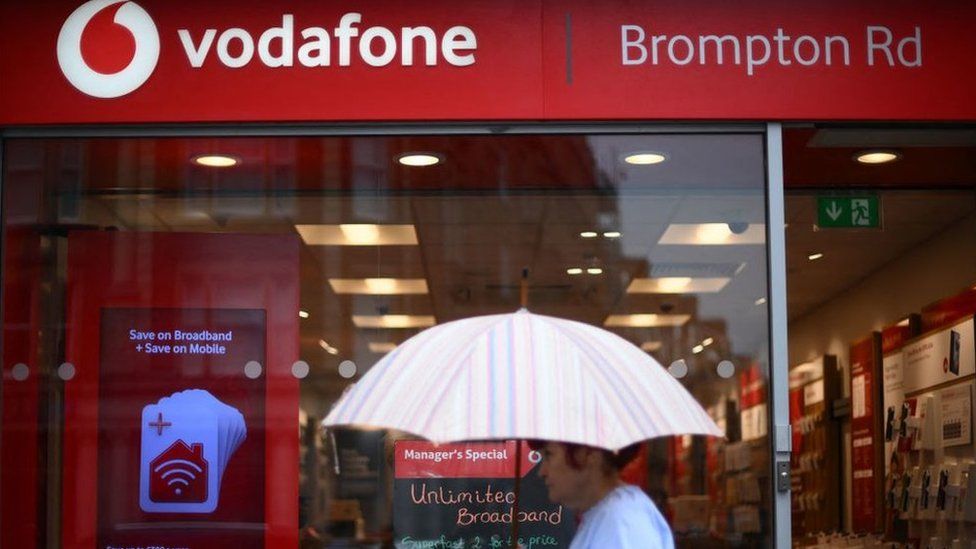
(93, 30)
(377, 46)
(76, 40)
(173, 61)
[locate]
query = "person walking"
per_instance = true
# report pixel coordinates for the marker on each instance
(613, 514)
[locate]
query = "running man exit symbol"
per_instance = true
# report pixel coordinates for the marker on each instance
(860, 216)
(848, 212)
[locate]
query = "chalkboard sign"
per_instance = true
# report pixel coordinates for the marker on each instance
(461, 496)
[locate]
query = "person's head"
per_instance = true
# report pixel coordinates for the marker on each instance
(578, 476)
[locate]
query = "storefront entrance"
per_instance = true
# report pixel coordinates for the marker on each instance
(257, 278)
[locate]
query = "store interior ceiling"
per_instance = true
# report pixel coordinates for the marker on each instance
(930, 188)
(500, 216)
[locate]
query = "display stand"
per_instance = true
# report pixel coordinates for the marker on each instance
(893, 412)
(936, 437)
(867, 436)
(816, 486)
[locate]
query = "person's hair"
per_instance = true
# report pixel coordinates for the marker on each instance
(615, 461)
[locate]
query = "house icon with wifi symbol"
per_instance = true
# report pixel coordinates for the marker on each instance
(179, 474)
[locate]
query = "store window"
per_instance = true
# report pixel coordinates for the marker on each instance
(882, 294)
(180, 314)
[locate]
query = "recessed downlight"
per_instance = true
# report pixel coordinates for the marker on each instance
(419, 159)
(358, 234)
(594, 271)
(644, 158)
(574, 271)
(651, 346)
(328, 348)
(645, 320)
(814, 257)
(378, 286)
(877, 156)
(611, 234)
(303, 314)
(588, 234)
(216, 160)
(381, 347)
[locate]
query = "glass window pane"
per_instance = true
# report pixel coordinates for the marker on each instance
(176, 331)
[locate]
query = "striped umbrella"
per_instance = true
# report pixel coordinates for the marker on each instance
(522, 376)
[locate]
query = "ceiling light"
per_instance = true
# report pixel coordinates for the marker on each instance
(594, 271)
(714, 234)
(814, 257)
(378, 286)
(651, 320)
(358, 234)
(697, 349)
(574, 271)
(877, 156)
(588, 234)
(328, 348)
(651, 346)
(677, 285)
(302, 314)
(393, 321)
(672, 284)
(904, 322)
(644, 158)
(216, 160)
(381, 347)
(419, 159)
(611, 234)
(761, 301)
(707, 341)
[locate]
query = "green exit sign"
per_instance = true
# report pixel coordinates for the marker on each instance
(848, 212)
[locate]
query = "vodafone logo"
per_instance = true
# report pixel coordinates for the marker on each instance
(108, 48)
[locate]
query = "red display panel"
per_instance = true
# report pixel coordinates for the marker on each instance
(22, 384)
(948, 311)
(124, 286)
(867, 437)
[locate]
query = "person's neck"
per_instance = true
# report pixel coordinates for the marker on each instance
(599, 490)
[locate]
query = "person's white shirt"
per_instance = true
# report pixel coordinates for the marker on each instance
(624, 519)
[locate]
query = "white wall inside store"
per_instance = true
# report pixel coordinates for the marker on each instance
(939, 267)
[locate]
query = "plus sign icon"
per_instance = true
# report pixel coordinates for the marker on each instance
(188, 439)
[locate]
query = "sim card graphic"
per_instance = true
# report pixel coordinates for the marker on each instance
(187, 440)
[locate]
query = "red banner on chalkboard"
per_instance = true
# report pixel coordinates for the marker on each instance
(421, 459)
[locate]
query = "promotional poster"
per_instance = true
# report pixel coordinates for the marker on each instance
(463, 495)
(181, 446)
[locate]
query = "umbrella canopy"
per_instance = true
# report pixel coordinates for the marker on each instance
(522, 376)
